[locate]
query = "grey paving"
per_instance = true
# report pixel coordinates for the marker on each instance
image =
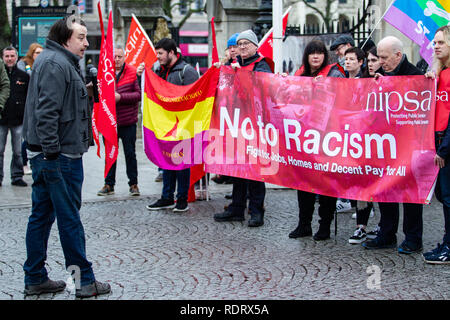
(164, 255)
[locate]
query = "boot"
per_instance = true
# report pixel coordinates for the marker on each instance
(256, 220)
(228, 216)
(323, 233)
(301, 231)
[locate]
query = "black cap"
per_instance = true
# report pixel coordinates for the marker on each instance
(342, 39)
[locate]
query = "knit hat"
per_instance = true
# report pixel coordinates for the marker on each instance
(232, 41)
(248, 35)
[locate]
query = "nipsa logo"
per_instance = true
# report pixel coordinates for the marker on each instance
(396, 102)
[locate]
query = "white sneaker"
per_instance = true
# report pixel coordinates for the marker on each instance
(342, 207)
(371, 214)
(358, 236)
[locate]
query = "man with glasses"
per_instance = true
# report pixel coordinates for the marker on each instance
(248, 59)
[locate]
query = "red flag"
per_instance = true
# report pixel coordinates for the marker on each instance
(104, 116)
(215, 55)
(139, 48)
(265, 47)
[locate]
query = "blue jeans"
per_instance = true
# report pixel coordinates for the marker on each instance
(56, 193)
(171, 178)
(128, 136)
(16, 143)
(442, 192)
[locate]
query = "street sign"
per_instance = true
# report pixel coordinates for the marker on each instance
(33, 29)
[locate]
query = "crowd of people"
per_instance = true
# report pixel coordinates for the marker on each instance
(52, 123)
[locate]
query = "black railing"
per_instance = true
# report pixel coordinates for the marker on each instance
(359, 28)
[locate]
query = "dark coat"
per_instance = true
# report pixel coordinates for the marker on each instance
(260, 66)
(181, 73)
(57, 114)
(12, 115)
(405, 68)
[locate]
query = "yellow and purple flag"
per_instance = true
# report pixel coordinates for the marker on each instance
(176, 119)
(419, 20)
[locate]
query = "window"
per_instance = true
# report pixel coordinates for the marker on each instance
(183, 7)
(342, 1)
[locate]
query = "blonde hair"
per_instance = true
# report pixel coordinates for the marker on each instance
(29, 56)
(438, 65)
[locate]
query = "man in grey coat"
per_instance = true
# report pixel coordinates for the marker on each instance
(56, 127)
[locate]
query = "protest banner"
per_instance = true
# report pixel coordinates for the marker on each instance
(139, 48)
(351, 138)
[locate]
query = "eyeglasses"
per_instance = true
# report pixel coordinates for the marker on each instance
(232, 47)
(244, 44)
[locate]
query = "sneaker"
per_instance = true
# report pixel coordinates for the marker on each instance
(94, 289)
(19, 183)
(379, 244)
(228, 216)
(343, 207)
(374, 233)
(440, 255)
(358, 236)
(371, 214)
(134, 190)
(159, 177)
(106, 190)
(49, 286)
(435, 251)
(408, 248)
(181, 206)
(161, 204)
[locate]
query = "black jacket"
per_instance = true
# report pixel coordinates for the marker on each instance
(260, 66)
(405, 68)
(181, 73)
(12, 115)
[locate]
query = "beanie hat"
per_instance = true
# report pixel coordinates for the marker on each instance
(248, 35)
(232, 41)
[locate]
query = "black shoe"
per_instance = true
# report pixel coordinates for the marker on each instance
(228, 216)
(229, 196)
(181, 206)
(301, 231)
(49, 286)
(19, 183)
(322, 234)
(377, 243)
(94, 289)
(256, 220)
(161, 204)
(408, 248)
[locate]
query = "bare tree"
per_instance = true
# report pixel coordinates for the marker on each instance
(168, 6)
(326, 15)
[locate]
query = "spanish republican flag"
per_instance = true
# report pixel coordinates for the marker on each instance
(176, 119)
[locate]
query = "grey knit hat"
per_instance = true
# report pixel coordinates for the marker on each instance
(248, 35)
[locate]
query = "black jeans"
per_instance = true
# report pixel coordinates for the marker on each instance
(412, 222)
(128, 136)
(306, 202)
(256, 191)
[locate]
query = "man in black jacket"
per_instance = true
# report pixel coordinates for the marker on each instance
(12, 116)
(249, 59)
(394, 63)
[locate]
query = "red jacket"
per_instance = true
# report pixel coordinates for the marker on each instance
(130, 94)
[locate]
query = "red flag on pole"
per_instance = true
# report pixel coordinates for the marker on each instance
(215, 55)
(104, 116)
(265, 47)
(139, 48)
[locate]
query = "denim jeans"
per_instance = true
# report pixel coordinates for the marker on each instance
(128, 136)
(171, 178)
(442, 192)
(16, 143)
(56, 193)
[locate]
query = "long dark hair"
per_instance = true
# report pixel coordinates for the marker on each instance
(315, 46)
(365, 72)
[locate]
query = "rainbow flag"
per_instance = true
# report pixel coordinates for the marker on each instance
(176, 119)
(419, 20)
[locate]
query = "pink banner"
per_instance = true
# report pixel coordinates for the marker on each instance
(350, 138)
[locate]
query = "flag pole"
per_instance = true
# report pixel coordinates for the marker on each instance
(376, 25)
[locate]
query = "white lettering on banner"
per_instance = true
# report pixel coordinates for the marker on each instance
(131, 45)
(333, 143)
(411, 101)
(442, 96)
